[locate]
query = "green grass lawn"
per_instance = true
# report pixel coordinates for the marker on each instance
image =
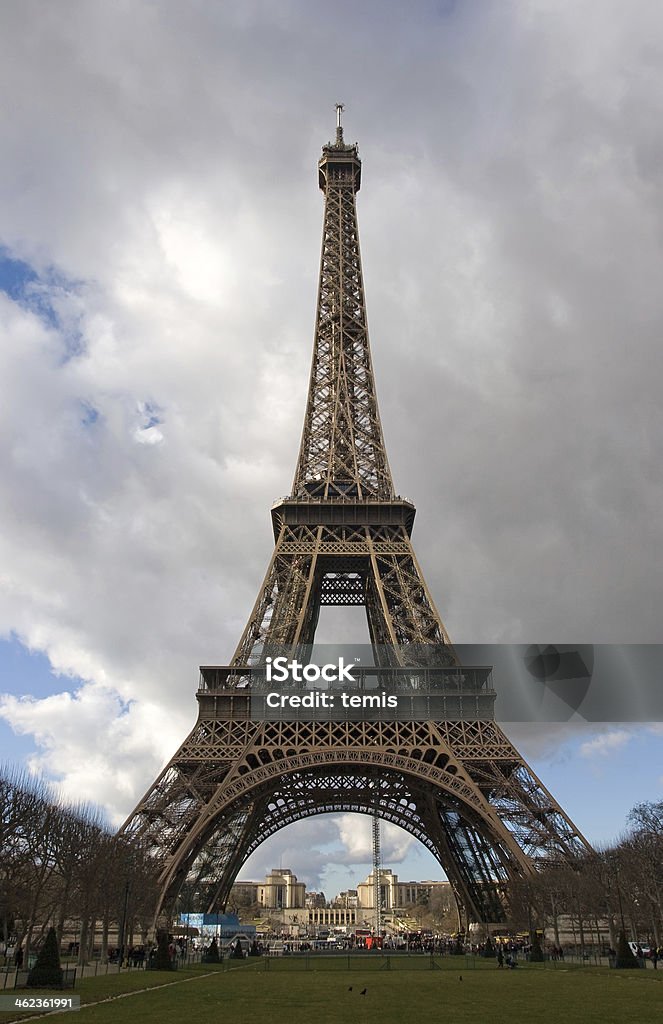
(285, 992)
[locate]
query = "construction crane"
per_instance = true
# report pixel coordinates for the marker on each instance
(377, 888)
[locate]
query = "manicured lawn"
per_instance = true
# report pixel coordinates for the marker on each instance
(284, 992)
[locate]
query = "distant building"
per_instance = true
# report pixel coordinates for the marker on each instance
(244, 894)
(410, 892)
(396, 895)
(314, 920)
(281, 891)
(284, 904)
(346, 899)
(333, 918)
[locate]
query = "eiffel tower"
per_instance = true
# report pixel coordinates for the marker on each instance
(343, 538)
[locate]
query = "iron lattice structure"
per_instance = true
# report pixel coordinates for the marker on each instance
(343, 538)
(377, 873)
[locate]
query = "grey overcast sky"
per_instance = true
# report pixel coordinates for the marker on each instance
(160, 230)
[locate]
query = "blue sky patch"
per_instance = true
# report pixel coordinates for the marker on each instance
(89, 415)
(38, 293)
(25, 673)
(152, 415)
(15, 276)
(24, 286)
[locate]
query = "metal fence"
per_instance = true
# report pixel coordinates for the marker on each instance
(13, 977)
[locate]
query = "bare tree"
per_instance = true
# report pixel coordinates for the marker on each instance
(61, 864)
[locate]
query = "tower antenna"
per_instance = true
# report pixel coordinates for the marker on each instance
(377, 870)
(340, 107)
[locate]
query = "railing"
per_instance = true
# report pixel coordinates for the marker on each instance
(12, 977)
(418, 693)
(426, 680)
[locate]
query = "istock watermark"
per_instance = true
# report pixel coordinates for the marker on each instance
(318, 699)
(507, 682)
(280, 670)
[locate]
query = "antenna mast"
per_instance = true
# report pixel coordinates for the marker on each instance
(377, 888)
(340, 107)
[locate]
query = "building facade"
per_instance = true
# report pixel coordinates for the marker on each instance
(279, 891)
(396, 895)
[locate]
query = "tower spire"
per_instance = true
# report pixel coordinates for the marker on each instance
(342, 452)
(340, 107)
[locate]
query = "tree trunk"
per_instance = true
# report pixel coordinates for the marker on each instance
(83, 944)
(581, 930)
(104, 939)
(555, 920)
(64, 903)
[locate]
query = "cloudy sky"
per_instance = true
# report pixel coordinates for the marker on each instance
(160, 230)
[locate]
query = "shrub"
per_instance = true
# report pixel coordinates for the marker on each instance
(211, 954)
(625, 956)
(535, 951)
(47, 972)
(162, 960)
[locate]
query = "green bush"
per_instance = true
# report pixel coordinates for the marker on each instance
(47, 972)
(162, 960)
(625, 957)
(535, 951)
(211, 954)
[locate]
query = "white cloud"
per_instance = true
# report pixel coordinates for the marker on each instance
(109, 746)
(606, 744)
(356, 837)
(148, 435)
(548, 742)
(332, 851)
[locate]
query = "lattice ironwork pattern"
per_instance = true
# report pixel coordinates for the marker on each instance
(343, 538)
(342, 451)
(460, 788)
(325, 564)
